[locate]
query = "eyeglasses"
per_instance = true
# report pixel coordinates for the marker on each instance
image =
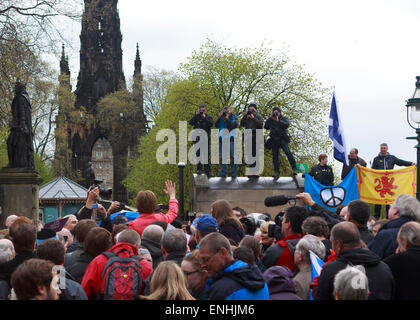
(187, 273)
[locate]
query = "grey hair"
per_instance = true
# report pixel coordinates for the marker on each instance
(310, 243)
(410, 231)
(153, 232)
(174, 240)
(6, 251)
(352, 283)
(408, 206)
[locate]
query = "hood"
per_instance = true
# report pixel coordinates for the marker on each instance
(359, 256)
(153, 247)
(248, 276)
(279, 279)
(125, 249)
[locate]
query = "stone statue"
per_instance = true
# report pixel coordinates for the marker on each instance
(89, 175)
(19, 143)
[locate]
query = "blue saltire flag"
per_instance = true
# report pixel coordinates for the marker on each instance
(331, 197)
(316, 267)
(336, 134)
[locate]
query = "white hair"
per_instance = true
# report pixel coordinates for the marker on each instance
(407, 206)
(352, 283)
(310, 243)
(6, 250)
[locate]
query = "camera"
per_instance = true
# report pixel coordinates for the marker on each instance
(103, 192)
(201, 111)
(275, 113)
(161, 207)
(250, 111)
(122, 206)
(274, 230)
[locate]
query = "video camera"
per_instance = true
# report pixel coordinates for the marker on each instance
(103, 192)
(274, 230)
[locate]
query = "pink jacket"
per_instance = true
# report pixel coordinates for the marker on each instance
(140, 223)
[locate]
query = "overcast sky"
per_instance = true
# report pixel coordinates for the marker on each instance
(369, 50)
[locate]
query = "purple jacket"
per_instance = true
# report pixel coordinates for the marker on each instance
(280, 283)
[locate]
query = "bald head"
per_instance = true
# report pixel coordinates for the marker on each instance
(7, 250)
(345, 235)
(9, 220)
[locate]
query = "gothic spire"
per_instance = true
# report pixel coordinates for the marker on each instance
(137, 63)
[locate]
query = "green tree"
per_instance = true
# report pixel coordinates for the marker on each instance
(222, 76)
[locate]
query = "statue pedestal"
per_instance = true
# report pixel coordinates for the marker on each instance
(19, 193)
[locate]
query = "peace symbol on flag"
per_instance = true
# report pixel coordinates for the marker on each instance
(333, 197)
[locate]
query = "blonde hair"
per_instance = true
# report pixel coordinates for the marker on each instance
(264, 226)
(168, 283)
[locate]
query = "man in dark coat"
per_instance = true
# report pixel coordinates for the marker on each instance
(253, 121)
(322, 172)
(386, 161)
(151, 240)
(19, 143)
(345, 239)
(202, 120)
(405, 265)
(278, 124)
(405, 208)
(359, 214)
(174, 245)
(353, 160)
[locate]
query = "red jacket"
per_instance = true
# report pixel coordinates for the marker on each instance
(140, 223)
(287, 259)
(92, 279)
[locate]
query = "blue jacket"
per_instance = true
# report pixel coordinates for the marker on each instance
(385, 243)
(238, 281)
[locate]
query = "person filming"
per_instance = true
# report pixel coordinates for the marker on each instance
(201, 120)
(278, 124)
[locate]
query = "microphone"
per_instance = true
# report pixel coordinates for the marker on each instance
(279, 200)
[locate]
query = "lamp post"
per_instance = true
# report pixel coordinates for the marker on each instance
(181, 166)
(413, 108)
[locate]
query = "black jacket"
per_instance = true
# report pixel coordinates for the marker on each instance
(385, 243)
(78, 268)
(405, 267)
(198, 122)
(381, 281)
(278, 130)
(176, 256)
(388, 162)
(231, 230)
(252, 123)
(7, 268)
(352, 162)
(365, 234)
(323, 174)
(154, 249)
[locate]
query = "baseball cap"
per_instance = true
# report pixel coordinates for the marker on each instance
(206, 223)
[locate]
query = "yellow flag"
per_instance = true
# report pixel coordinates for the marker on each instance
(384, 186)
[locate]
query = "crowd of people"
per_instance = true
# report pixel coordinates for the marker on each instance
(224, 254)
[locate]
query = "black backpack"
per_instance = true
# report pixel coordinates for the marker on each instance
(121, 277)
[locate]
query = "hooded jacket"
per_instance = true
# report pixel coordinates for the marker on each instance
(385, 243)
(237, 281)
(280, 283)
(380, 279)
(388, 161)
(92, 279)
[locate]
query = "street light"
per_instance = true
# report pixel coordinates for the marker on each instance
(413, 107)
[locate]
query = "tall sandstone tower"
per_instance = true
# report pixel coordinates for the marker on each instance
(107, 144)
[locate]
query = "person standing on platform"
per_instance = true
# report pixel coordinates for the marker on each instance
(322, 172)
(202, 120)
(227, 120)
(278, 124)
(253, 121)
(353, 160)
(386, 161)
